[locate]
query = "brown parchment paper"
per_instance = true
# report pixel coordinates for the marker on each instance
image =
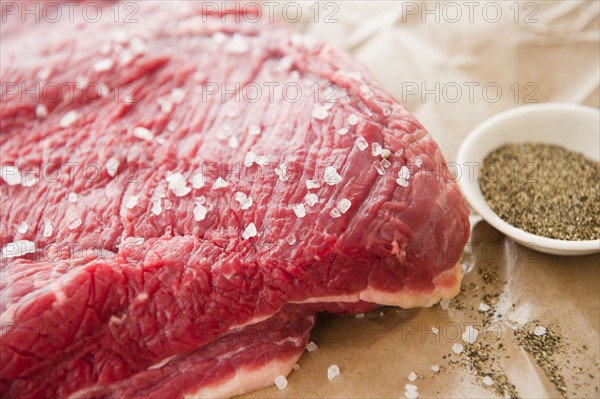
(547, 51)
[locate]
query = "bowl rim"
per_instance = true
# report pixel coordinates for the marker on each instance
(472, 191)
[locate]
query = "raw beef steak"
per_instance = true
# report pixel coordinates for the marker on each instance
(172, 186)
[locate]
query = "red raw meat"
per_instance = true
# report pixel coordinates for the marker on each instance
(229, 178)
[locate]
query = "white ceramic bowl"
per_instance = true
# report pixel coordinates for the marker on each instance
(575, 127)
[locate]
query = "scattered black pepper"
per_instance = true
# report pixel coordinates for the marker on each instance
(544, 189)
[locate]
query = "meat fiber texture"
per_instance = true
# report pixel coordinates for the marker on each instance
(182, 195)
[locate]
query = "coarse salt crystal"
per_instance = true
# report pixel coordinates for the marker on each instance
(233, 142)
(311, 347)
(296, 367)
(142, 133)
(72, 197)
(75, 223)
(112, 165)
(333, 371)
(411, 394)
(412, 376)
(41, 111)
(299, 210)
(487, 381)
(331, 176)
(445, 304)
(168, 204)
(359, 316)
(237, 45)
(68, 119)
(281, 171)
(132, 202)
(344, 204)
(539, 331)
(177, 95)
(403, 176)
(104, 65)
(22, 229)
(335, 213)
(310, 184)
(249, 159)
(249, 232)
(379, 168)
(484, 307)
(411, 388)
(435, 368)
(281, 382)
(200, 212)
(361, 143)
(10, 174)
(254, 130)
(142, 297)
(320, 113)
(457, 348)
(156, 207)
(342, 131)
(385, 163)
(376, 149)
(198, 181)
(435, 330)
(261, 160)
(220, 183)
(18, 248)
(352, 120)
(470, 335)
(366, 91)
(178, 185)
(47, 229)
(419, 162)
(311, 199)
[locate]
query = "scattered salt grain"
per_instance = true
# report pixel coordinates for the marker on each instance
(219, 183)
(18, 248)
(320, 113)
(177, 95)
(10, 174)
(411, 391)
(361, 143)
(299, 210)
(311, 199)
(419, 162)
(245, 201)
(142, 133)
(281, 171)
(104, 65)
(343, 205)
(233, 142)
(435, 330)
(311, 347)
(296, 367)
(342, 131)
(403, 176)
(484, 307)
(68, 119)
(142, 297)
(23, 227)
(249, 159)
(47, 229)
(44, 74)
(385, 153)
(112, 165)
(539, 331)
(281, 382)
(254, 130)
(366, 91)
(198, 181)
(156, 206)
(261, 160)
(291, 239)
(310, 184)
(435, 368)
(335, 213)
(470, 335)
(168, 204)
(457, 348)
(249, 232)
(237, 45)
(177, 185)
(352, 120)
(132, 202)
(331, 176)
(75, 223)
(487, 381)
(332, 372)
(376, 149)
(385, 163)
(359, 316)
(379, 168)
(445, 304)
(412, 376)
(41, 111)
(200, 212)
(72, 197)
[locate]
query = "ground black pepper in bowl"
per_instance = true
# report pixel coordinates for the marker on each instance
(544, 189)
